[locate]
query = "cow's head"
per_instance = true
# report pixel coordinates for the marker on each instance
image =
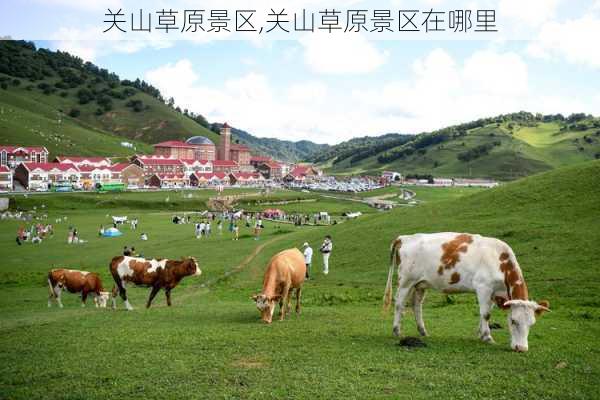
(192, 267)
(520, 319)
(266, 306)
(102, 299)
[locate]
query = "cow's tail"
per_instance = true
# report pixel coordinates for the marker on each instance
(394, 263)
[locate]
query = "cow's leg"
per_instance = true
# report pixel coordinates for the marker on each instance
(298, 297)
(419, 296)
(114, 293)
(484, 296)
(58, 291)
(123, 293)
(50, 293)
(153, 292)
(404, 289)
(84, 294)
(284, 302)
(168, 295)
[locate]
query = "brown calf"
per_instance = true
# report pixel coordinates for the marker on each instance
(285, 271)
(157, 274)
(74, 281)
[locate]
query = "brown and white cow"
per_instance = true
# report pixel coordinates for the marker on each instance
(74, 281)
(285, 271)
(461, 262)
(157, 274)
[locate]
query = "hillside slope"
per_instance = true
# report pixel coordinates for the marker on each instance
(38, 87)
(505, 147)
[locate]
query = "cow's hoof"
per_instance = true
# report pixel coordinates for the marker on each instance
(396, 331)
(423, 332)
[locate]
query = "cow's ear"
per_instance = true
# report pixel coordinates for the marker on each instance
(543, 306)
(254, 297)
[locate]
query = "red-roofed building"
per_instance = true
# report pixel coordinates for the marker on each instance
(271, 169)
(209, 178)
(128, 174)
(34, 175)
(90, 175)
(190, 166)
(240, 154)
(155, 165)
(245, 178)
(225, 166)
(175, 149)
(255, 161)
(6, 178)
(302, 173)
(168, 180)
(79, 161)
(11, 156)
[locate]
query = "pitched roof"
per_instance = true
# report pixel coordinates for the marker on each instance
(27, 149)
(273, 164)
(192, 162)
(49, 166)
(121, 166)
(210, 175)
(224, 163)
(170, 176)
(80, 159)
(159, 161)
(175, 143)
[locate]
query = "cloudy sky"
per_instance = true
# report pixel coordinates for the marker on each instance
(329, 88)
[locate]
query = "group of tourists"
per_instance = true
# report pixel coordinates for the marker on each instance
(325, 250)
(203, 229)
(34, 234)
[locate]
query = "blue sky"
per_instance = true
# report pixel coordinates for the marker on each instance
(331, 88)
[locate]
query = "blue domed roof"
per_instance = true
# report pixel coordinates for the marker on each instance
(199, 140)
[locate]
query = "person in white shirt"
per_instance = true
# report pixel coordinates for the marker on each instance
(308, 253)
(207, 228)
(325, 249)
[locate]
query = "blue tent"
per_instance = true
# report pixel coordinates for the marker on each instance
(112, 232)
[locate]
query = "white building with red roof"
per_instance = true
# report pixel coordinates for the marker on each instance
(302, 173)
(225, 166)
(11, 156)
(245, 178)
(190, 166)
(209, 179)
(6, 178)
(82, 160)
(168, 180)
(42, 175)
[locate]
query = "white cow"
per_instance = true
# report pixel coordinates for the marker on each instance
(460, 262)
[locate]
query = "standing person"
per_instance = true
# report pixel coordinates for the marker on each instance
(202, 228)
(325, 249)
(207, 228)
(257, 228)
(236, 231)
(308, 253)
(197, 230)
(220, 227)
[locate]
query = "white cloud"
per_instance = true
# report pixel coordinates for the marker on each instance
(570, 40)
(84, 43)
(341, 54)
(439, 91)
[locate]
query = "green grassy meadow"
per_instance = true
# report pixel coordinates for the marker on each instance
(211, 343)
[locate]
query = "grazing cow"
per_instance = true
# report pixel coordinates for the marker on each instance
(454, 263)
(157, 274)
(76, 282)
(286, 271)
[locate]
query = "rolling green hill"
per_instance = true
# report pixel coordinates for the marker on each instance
(505, 147)
(58, 101)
